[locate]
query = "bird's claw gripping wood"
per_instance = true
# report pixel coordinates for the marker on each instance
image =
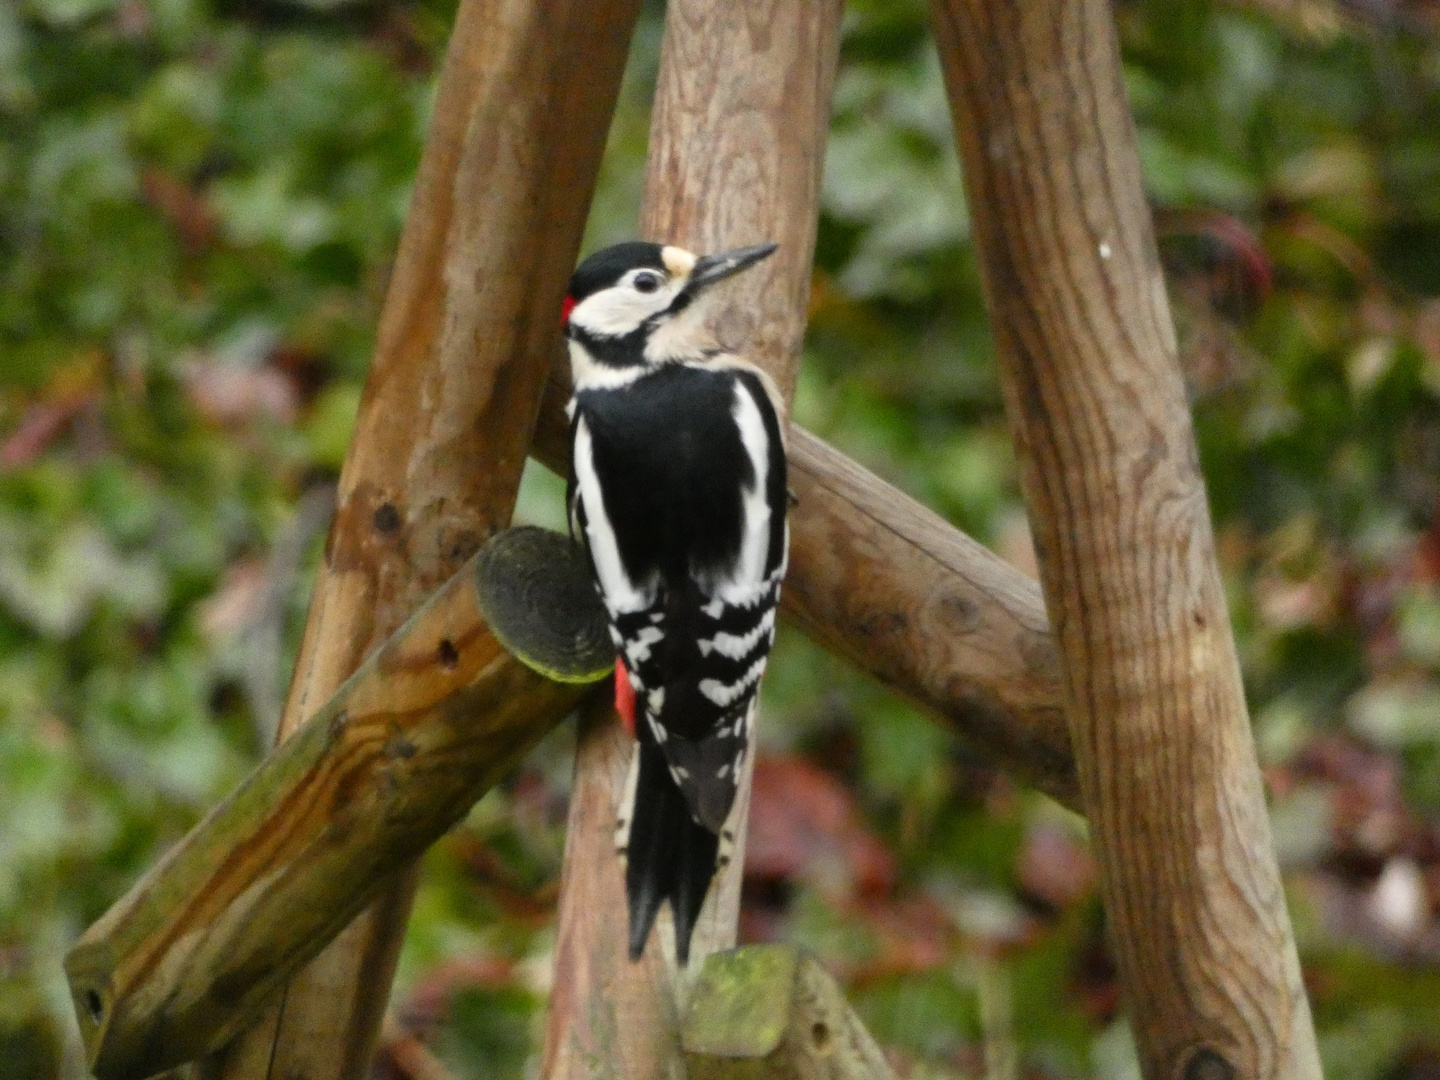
(426, 725)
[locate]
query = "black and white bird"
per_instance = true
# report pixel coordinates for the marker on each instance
(677, 488)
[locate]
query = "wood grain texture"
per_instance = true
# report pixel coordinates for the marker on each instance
(737, 145)
(399, 755)
(609, 1019)
(737, 150)
(892, 587)
(1117, 504)
(768, 1012)
(519, 124)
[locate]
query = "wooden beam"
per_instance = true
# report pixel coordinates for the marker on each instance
(767, 1012)
(737, 145)
(516, 135)
(400, 754)
(889, 585)
(1195, 909)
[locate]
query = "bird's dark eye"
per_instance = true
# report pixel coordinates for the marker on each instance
(647, 282)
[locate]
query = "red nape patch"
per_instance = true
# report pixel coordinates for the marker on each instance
(624, 697)
(565, 310)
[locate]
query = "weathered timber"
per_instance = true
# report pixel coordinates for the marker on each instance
(889, 585)
(767, 1012)
(521, 113)
(399, 755)
(1096, 403)
(737, 145)
(609, 1019)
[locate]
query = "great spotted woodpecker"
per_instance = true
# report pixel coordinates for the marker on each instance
(677, 488)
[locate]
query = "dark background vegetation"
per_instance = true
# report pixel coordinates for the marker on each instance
(199, 200)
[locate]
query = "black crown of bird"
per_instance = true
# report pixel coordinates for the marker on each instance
(677, 492)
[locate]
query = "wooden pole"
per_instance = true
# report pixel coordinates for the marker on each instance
(395, 758)
(1093, 390)
(737, 144)
(519, 125)
(889, 585)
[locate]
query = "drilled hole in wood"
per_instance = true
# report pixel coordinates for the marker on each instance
(1206, 1064)
(820, 1036)
(449, 655)
(387, 518)
(95, 1004)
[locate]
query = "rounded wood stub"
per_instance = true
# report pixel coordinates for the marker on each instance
(535, 591)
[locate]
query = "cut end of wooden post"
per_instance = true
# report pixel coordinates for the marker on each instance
(740, 1006)
(536, 594)
(765, 1012)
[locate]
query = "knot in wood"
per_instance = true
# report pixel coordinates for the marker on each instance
(447, 654)
(962, 613)
(386, 519)
(820, 1037)
(1206, 1063)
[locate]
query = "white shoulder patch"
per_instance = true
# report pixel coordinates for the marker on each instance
(620, 593)
(749, 572)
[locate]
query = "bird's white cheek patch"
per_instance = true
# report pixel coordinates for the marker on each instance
(614, 312)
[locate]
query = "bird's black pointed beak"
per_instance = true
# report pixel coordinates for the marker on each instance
(712, 268)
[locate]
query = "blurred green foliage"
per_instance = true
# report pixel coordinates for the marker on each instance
(199, 200)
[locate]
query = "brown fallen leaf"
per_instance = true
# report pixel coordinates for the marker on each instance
(804, 824)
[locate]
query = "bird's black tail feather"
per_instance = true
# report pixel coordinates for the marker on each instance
(669, 855)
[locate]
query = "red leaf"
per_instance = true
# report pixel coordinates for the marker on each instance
(1054, 867)
(39, 427)
(803, 823)
(186, 211)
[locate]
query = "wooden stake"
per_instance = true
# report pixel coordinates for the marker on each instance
(737, 145)
(399, 755)
(1111, 476)
(519, 125)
